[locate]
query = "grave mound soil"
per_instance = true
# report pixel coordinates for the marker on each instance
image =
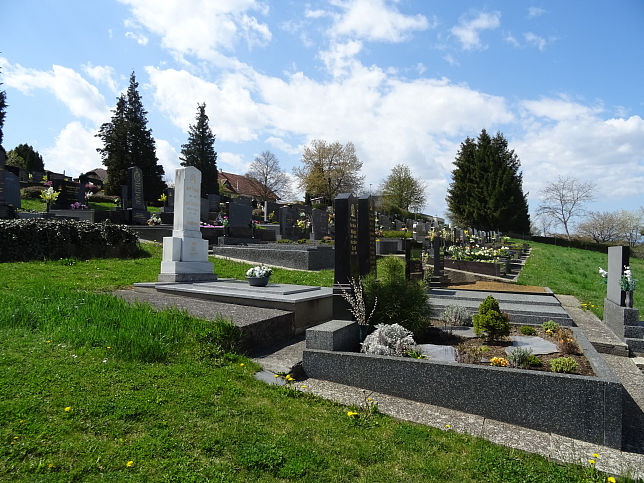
(499, 287)
(436, 335)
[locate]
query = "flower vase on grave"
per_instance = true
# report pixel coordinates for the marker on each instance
(628, 301)
(257, 281)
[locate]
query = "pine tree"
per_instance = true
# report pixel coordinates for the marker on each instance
(486, 190)
(128, 142)
(200, 152)
(28, 158)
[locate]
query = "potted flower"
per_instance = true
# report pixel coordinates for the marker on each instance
(628, 284)
(258, 276)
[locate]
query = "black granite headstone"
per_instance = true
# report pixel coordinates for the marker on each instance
(170, 201)
(288, 220)
(366, 235)
(213, 203)
(68, 193)
(413, 260)
(137, 200)
(271, 211)
(438, 279)
(346, 239)
(240, 213)
(125, 197)
(319, 223)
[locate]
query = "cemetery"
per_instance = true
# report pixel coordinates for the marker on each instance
(470, 364)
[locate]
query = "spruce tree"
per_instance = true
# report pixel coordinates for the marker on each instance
(200, 152)
(128, 142)
(486, 190)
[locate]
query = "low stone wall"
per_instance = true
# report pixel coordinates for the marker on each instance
(301, 257)
(580, 407)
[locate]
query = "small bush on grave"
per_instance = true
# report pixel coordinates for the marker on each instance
(399, 300)
(550, 325)
(520, 357)
(534, 361)
(527, 330)
(490, 320)
(395, 234)
(563, 364)
(565, 341)
(389, 340)
(456, 315)
(284, 240)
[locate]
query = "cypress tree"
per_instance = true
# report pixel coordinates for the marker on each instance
(200, 152)
(115, 151)
(487, 187)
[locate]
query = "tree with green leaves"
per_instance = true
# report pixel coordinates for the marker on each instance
(128, 142)
(487, 187)
(25, 156)
(329, 169)
(200, 152)
(403, 189)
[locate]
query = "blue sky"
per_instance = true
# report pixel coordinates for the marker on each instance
(405, 81)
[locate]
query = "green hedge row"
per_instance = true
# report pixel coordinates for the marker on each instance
(52, 239)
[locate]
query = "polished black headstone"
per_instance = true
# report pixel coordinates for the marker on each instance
(366, 235)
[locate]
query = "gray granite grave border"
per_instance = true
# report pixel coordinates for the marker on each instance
(581, 407)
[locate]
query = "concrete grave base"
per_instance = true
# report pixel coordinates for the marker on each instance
(580, 407)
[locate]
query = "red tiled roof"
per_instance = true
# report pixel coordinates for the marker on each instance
(243, 185)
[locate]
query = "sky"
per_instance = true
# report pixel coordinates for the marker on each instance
(406, 81)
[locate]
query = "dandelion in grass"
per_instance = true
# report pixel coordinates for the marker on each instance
(592, 462)
(241, 365)
(595, 455)
(448, 426)
(21, 421)
(304, 386)
(68, 408)
(129, 464)
(48, 342)
(276, 375)
(352, 414)
(611, 480)
(50, 465)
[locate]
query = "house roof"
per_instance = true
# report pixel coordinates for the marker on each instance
(99, 173)
(243, 185)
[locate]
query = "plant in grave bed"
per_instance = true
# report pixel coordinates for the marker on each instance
(456, 315)
(527, 330)
(357, 306)
(550, 327)
(389, 340)
(399, 300)
(490, 320)
(520, 357)
(565, 341)
(563, 364)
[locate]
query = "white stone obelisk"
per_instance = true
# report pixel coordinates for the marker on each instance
(185, 253)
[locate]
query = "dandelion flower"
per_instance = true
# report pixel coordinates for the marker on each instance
(16, 437)
(447, 426)
(611, 479)
(129, 464)
(304, 386)
(241, 365)
(592, 462)
(68, 408)
(351, 414)
(276, 375)
(22, 421)
(108, 347)
(51, 465)
(48, 342)
(595, 455)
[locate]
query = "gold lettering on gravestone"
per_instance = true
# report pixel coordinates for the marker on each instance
(138, 189)
(353, 230)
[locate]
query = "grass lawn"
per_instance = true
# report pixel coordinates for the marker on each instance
(30, 204)
(573, 271)
(93, 388)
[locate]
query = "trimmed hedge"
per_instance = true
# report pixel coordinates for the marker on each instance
(52, 239)
(564, 242)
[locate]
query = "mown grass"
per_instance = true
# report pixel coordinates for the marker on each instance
(93, 388)
(573, 271)
(33, 204)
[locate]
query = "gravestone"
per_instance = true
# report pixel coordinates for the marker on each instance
(413, 260)
(125, 197)
(240, 213)
(271, 211)
(420, 231)
(68, 193)
(170, 201)
(139, 213)
(438, 279)
(346, 252)
(319, 223)
(288, 219)
(618, 258)
(398, 225)
(204, 207)
(9, 190)
(385, 222)
(82, 191)
(366, 235)
(185, 253)
(213, 203)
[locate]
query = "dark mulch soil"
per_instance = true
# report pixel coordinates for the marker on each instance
(434, 335)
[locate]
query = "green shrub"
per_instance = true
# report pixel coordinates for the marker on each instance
(31, 192)
(302, 241)
(284, 240)
(399, 301)
(563, 364)
(456, 315)
(527, 330)
(395, 234)
(520, 357)
(490, 320)
(52, 239)
(550, 325)
(534, 361)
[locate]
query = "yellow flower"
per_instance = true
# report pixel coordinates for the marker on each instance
(108, 347)
(304, 386)
(592, 462)
(611, 479)
(130, 464)
(595, 455)
(276, 375)
(241, 365)
(351, 414)
(51, 465)
(48, 341)
(16, 437)
(68, 408)
(447, 426)
(21, 421)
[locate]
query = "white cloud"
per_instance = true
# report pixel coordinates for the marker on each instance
(376, 20)
(308, 13)
(340, 58)
(468, 29)
(74, 151)
(510, 39)
(559, 109)
(139, 38)
(168, 158)
(201, 27)
(535, 40)
(81, 98)
(232, 163)
(535, 12)
(101, 73)
(282, 145)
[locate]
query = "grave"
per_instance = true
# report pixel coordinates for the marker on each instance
(319, 224)
(288, 220)
(347, 265)
(68, 193)
(9, 190)
(413, 260)
(385, 222)
(438, 278)
(366, 236)
(138, 213)
(185, 253)
(622, 320)
(271, 211)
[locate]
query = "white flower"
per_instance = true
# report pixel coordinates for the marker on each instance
(259, 271)
(603, 272)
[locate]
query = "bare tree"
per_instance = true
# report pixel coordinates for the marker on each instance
(601, 226)
(564, 199)
(630, 225)
(266, 170)
(542, 223)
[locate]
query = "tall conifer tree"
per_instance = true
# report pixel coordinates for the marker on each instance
(200, 152)
(127, 142)
(486, 190)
